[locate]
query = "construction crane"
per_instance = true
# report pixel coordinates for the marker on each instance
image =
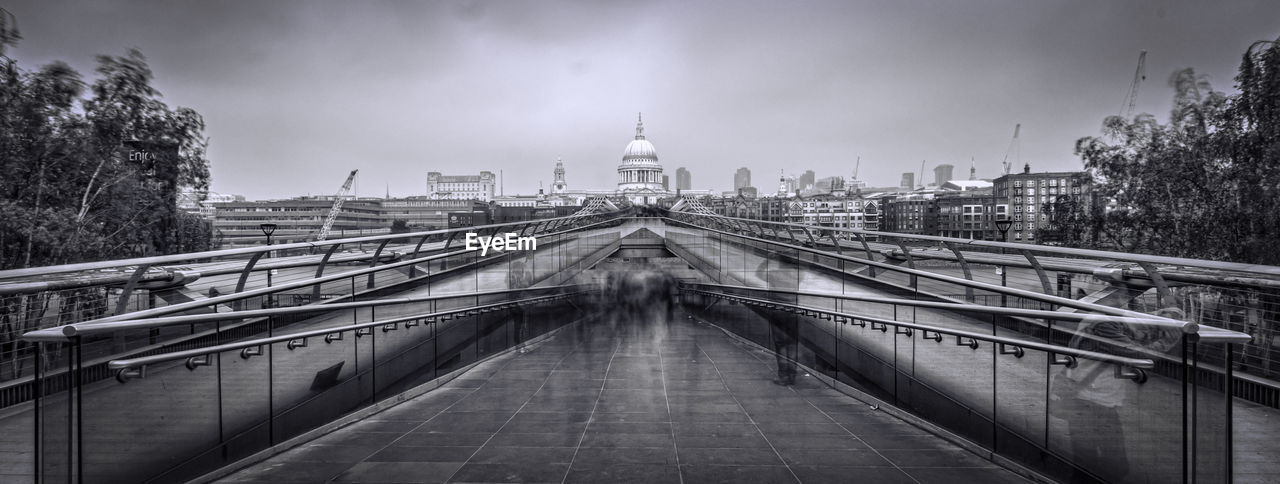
(857, 164)
(1139, 75)
(337, 206)
(1013, 147)
(921, 179)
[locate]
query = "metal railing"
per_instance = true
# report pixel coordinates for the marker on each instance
(1240, 298)
(233, 279)
(262, 387)
(1042, 403)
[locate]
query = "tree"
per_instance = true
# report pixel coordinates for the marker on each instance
(97, 177)
(1202, 185)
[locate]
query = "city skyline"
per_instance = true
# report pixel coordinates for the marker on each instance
(317, 89)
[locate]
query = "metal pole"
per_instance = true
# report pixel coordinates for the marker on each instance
(268, 256)
(1004, 272)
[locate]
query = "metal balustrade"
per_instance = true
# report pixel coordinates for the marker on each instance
(1018, 397)
(996, 360)
(1241, 298)
(242, 279)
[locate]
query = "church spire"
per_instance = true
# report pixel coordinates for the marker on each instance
(640, 126)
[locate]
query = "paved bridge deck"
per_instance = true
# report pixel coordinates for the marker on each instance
(678, 402)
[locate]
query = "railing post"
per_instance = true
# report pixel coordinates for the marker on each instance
(1035, 264)
(964, 265)
(244, 275)
(871, 270)
(1162, 287)
(123, 303)
(315, 290)
(413, 268)
(836, 242)
(911, 263)
(374, 262)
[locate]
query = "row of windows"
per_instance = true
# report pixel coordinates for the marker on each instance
(1043, 182)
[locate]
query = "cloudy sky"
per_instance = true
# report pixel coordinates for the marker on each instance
(298, 93)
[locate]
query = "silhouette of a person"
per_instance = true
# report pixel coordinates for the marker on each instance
(786, 340)
(1095, 396)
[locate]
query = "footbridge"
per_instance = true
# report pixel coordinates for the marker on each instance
(635, 345)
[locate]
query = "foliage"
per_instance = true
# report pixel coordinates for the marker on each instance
(1205, 185)
(76, 187)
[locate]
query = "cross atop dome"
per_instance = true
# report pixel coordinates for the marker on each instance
(639, 125)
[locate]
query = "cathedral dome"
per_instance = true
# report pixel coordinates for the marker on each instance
(640, 148)
(639, 172)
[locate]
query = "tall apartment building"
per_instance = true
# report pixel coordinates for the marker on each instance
(807, 180)
(942, 174)
(461, 187)
(684, 181)
(741, 178)
(1030, 196)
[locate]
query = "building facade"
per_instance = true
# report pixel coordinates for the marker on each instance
(741, 178)
(807, 181)
(297, 220)
(835, 210)
(908, 182)
(1030, 197)
(914, 213)
(461, 187)
(684, 180)
(424, 213)
(969, 215)
(942, 174)
(640, 174)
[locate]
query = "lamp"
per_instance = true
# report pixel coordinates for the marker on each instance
(1003, 226)
(268, 229)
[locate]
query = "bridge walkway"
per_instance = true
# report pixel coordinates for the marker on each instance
(674, 401)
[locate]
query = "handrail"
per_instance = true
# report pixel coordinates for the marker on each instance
(1208, 333)
(1091, 253)
(211, 269)
(178, 355)
(156, 260)
(1015, 342)
(66, 332)
(248, 293)
(1182, 326)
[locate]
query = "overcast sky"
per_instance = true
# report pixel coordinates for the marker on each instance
(298, 93)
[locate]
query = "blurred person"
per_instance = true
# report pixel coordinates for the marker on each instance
(785, 330)
(1095, 393)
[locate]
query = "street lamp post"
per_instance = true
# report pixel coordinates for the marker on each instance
(1003, 226)
(268, 229)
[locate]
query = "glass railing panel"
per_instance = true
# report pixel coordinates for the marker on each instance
(53, 418)
(134, 431)
(402, 351)
(1108, 424)
(1211, 462)
(246, 401)
(315, 383)
(1022, 397)
(948, 384)
(545, 261)
(493, 333)
(455, 342)
(866, 359)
